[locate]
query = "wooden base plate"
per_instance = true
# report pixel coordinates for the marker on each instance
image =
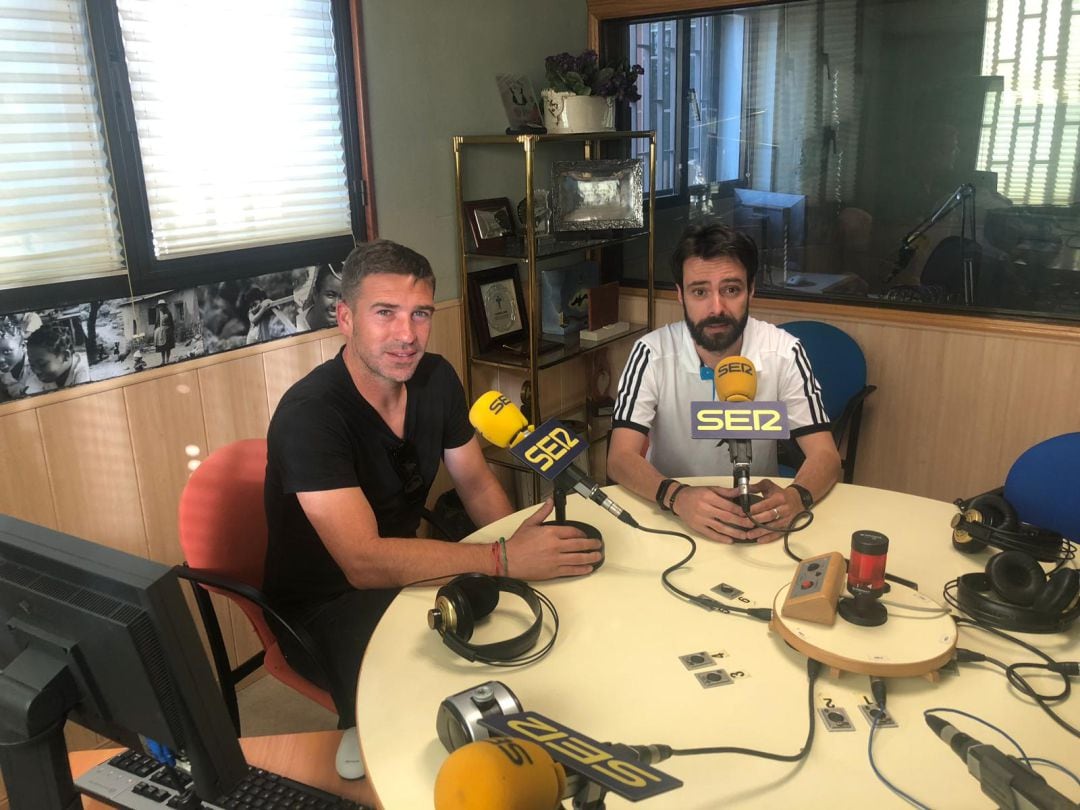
(918, 638)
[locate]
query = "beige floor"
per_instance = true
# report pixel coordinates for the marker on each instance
(267, 706)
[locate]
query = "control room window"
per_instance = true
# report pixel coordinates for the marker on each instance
(201, 140)
(909, 153)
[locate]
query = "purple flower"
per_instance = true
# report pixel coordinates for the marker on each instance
(583, 74)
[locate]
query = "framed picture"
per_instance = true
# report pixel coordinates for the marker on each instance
(519, 101)
(491, 223)
(591, 195)
(564, 295)
(497, 308)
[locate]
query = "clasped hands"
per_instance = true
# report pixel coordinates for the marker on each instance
(714, 512)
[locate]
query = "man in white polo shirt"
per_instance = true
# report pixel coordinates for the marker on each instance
(651, 444)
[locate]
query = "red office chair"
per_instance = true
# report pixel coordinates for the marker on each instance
(223, 534)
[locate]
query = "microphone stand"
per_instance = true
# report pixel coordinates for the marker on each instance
(907, 249)
(559, 496)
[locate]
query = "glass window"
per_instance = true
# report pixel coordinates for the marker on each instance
(170, 144)
(906, 152)
(241, 146)
(58, 218)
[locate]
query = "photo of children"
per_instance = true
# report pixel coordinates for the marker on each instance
(253, 310)
(318, 296)
(145, 331)
(43, 351)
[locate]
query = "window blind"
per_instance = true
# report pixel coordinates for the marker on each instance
(239, 122)
(1031, 130)
(58, 219)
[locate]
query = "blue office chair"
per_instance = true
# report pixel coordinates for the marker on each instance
(1043, 483)
(840, 367)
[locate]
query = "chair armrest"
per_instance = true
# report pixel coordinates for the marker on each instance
(851, 408)
(211, 579)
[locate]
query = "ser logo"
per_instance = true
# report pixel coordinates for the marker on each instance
(496, 405)
(609, 765)
(739, 420)
(549, 449)
(734, 368)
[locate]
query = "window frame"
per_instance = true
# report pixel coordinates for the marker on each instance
(145, 273)
(615, 45)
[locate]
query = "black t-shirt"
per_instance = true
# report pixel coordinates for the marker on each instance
(325, 435)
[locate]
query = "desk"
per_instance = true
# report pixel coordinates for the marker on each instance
(306, 757)
(614, 673)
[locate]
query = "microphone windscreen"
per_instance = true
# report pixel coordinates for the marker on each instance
(498, 419)
(500, 773)
(736, 380)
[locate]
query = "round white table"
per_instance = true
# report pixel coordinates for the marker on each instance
(615, 672)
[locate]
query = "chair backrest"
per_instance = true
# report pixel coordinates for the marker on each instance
(222, 520)
(839, 364)
(223, 531)
(1044, 482)
(840, 368)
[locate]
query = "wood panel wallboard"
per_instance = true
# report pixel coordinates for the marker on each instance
(955, 406)
(957, 401)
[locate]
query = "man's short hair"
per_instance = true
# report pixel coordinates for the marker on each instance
(53, 339)
(382, 256)
(714, 240)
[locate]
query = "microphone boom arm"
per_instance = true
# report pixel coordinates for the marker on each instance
(956, 198)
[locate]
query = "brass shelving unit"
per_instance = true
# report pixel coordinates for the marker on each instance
(530, 251)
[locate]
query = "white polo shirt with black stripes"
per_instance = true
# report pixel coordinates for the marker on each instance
(664, 375)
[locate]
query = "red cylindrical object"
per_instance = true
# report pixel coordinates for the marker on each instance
(866, 571)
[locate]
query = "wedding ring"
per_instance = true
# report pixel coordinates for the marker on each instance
(776, 513)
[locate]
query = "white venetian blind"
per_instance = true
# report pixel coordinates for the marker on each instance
(239, 123)
(58, 217)
(1031, 130)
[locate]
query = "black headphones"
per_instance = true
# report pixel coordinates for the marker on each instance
(1014, 593)
(990, 520)
(468, 598)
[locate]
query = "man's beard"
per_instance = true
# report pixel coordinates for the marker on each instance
(721, 341)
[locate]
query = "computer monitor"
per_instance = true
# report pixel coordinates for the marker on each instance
(777, 223)
(104, 638)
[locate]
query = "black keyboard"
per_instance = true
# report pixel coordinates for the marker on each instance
(139, 782)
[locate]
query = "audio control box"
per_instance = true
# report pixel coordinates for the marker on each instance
(815, 589)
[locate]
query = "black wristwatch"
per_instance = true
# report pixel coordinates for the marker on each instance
(804, 495)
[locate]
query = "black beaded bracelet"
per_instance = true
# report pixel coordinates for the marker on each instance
(661, 494)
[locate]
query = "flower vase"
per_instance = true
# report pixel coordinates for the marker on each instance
(566, 112)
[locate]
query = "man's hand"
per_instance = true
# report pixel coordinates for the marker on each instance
(777, 508)
(547, 552)
(712, 512)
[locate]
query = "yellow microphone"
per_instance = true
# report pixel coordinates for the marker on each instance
(500, 773)
(499, 420)
(503, 424)
(736, 380)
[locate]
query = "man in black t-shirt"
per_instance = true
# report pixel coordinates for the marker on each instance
(353, 449)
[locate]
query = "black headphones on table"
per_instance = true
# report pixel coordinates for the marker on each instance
(468, 598)
(990, 520)
(1014, 593)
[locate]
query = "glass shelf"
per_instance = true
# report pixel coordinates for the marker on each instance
(515, 247)
(502, 358)
(606, 135)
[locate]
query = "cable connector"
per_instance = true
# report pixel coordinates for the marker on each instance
(651, 754)
(765, 614)
(878, 690)
(708, 603)
(968, 656)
